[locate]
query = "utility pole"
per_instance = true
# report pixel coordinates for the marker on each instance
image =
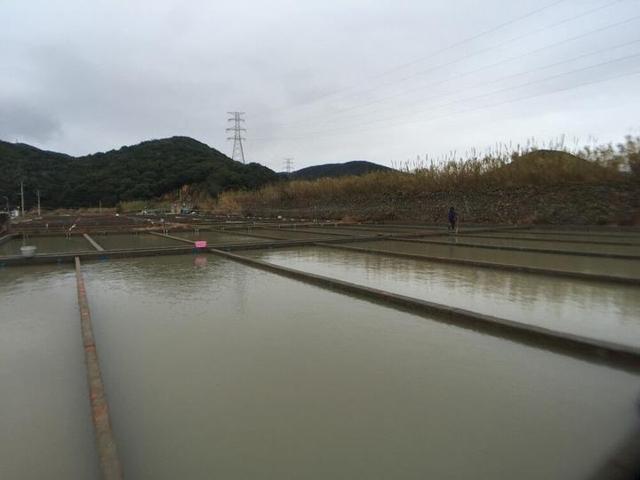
(38, 193)
(237, 129)
(288, 165)
(22, 195)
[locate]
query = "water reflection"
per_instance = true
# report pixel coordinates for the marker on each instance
(550, 245)
(45, 423)
(605, 266)
(290, 234)
(139, 240)
(232, 372)
(218, 238)
(590, 237)
(599, 310)
(58, 244)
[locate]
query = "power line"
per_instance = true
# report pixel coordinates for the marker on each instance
(237, 129)
(519, 99)
(506, 89)
(475, 97)
(547, 66)
(342, 131)
(316, 118)
(330, 133)
(373, 88)
(431, 55)
(472, 38)
(492, 65)
(498, 45)
(499, 79)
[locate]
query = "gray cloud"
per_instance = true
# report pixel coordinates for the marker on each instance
(320, 81)
(21, 120)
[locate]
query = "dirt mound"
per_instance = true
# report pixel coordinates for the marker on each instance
(551, 166)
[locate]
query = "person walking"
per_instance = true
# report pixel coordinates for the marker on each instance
(453, 220)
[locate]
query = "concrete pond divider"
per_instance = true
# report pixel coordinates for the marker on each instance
(253, 235)
(172, 237)
(110, 466)
(99, 252)
(252, 225)
(523, 249)
(429, 230)
(280, 242)
(622, 356)
(388, 231)
(237, 233)
(326, 231)
(444, 226)
(43, 258)
(93, 243)
(319, 231)
(630, 233)
(492, 265)
(554, 240)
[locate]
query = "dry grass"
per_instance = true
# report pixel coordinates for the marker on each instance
(500, 168)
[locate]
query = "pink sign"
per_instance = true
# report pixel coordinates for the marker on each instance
(201, 244)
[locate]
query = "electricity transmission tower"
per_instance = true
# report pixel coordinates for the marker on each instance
(288, 165)
(237, 129)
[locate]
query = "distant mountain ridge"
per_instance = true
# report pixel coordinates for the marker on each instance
(356, 167)
(144, 171)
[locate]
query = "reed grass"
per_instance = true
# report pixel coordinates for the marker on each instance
(499, 167)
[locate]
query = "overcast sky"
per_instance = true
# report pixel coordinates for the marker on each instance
(320, 81)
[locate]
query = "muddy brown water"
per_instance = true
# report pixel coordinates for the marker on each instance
(214, 369)
(45, 422)
(134, 241)
(218, 369)
(389, 229)
(49, 244)
(598, 310)
(290, 234)
(583, 236)
(219, 238)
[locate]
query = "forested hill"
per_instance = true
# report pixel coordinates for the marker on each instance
(357, 167)
(144, 171)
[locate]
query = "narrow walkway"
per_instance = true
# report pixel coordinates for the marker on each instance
(93, 243)
(110, 466)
